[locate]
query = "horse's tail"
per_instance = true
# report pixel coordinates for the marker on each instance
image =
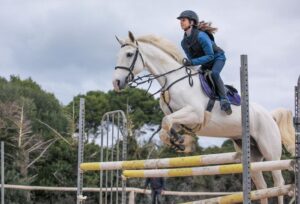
(284, 120)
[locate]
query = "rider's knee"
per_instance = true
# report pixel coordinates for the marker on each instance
(215, 74)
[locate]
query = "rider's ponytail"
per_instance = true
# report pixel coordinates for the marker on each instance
(206, 27)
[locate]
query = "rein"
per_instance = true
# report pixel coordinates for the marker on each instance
(133, 83)
(150, 78)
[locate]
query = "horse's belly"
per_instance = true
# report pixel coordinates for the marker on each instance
(220, 132)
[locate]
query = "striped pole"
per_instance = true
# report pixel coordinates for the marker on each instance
(203, 160)
(254, 195)
(210, 170)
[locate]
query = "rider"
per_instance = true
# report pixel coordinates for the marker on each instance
(200, 49)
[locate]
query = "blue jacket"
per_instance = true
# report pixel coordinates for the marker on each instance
(207, 46)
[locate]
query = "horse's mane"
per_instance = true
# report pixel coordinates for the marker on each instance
(164, 45)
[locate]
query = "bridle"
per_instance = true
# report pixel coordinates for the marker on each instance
(148, 78)
(151, 77)
(130, 69)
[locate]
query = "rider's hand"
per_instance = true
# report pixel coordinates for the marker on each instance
(187, 62)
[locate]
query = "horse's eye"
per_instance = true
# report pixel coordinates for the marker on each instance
(129, 54)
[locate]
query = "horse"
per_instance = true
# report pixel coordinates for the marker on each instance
(183, 103)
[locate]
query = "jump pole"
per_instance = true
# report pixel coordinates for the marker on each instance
(254, 195)
(210, 170)
(200, 160)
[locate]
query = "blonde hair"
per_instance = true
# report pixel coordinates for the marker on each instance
(206, 27)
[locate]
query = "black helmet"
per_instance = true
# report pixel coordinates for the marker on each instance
(190, 15)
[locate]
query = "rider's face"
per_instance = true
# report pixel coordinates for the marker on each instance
(185, 23)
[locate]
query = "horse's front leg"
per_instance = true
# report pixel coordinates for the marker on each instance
(185, 116)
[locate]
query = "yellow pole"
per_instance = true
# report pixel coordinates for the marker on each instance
(200, 160)
(209, 170)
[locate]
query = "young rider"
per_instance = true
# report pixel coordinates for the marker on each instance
(200, 49)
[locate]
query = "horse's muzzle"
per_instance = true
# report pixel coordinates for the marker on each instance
(116, 84)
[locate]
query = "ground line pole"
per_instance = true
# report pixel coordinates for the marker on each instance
(245, 130)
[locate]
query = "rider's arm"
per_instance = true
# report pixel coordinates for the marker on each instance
(206, 44)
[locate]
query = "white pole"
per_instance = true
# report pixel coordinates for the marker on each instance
(189, 161)
(210, 170)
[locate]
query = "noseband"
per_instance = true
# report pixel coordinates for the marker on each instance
(130, 69)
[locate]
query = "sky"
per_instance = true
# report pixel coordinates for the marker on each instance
(146, 133)
(69, 47)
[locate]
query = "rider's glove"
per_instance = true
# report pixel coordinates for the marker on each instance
(187, 62)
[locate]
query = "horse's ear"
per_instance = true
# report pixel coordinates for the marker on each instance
(131, 37)
(120, 41)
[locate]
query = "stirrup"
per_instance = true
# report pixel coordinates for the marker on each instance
(228, 111)
(225, 106)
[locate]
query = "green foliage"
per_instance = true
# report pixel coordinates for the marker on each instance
(23, 106)
(58, 166)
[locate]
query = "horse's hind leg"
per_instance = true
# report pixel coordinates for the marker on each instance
(258, 178)
(278, 181)
(271, 151)
(260, 183)
(256, 156)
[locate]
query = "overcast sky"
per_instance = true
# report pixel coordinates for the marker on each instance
(69, 47)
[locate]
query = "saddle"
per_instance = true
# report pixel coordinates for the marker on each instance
(209, 88)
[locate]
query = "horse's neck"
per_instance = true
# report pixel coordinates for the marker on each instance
(158, 62)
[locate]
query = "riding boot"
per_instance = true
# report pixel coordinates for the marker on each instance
(220, 88)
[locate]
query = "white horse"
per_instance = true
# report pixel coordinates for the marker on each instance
(159, 56)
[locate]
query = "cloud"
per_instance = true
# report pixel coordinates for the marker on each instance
(69, 47)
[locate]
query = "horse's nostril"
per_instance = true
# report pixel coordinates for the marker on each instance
(118, 82)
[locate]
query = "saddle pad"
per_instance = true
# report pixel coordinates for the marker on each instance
(231, 92)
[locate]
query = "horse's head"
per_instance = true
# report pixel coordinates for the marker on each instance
(129, 63)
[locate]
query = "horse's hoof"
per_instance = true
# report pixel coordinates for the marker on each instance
(178, 148)
(181, 147)
(175, 137)
(181, 140)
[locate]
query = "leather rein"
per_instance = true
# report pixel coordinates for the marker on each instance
(149, 78)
